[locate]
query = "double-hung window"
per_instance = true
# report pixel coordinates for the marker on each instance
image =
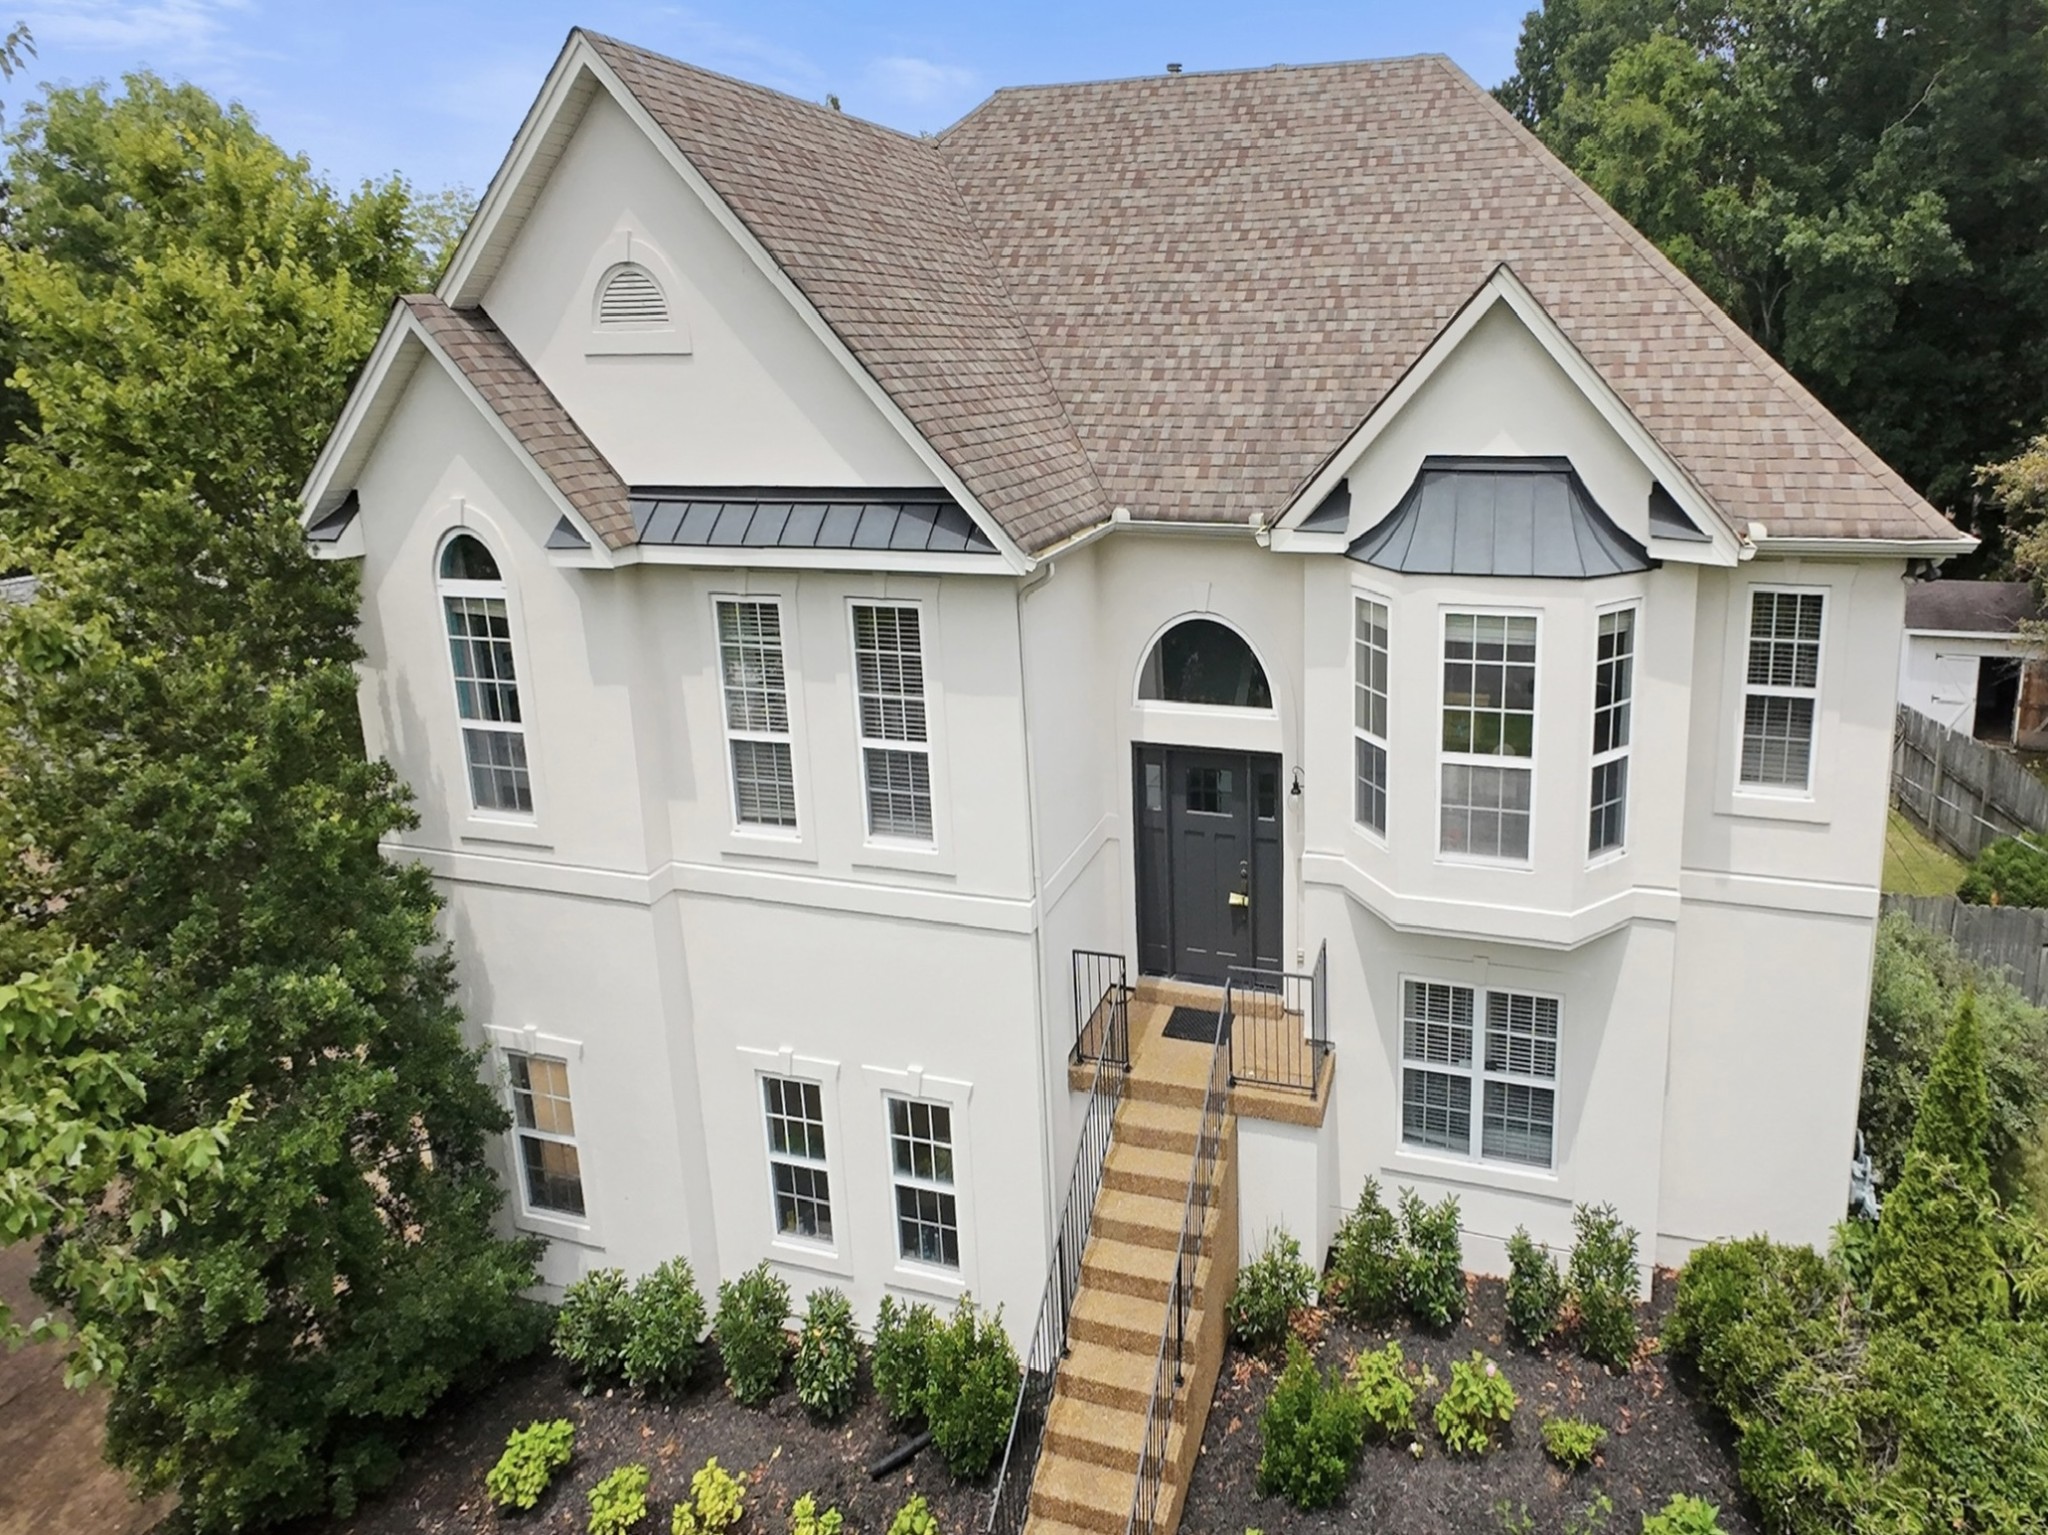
(1490, 1053)
(895, 749)
(756, 713)
(1781, 689)
(486, 682)
(544, 1126)
(1369, 726)
(799, 1183)
(1489, 735)
(1613, 700)
(921, 1166)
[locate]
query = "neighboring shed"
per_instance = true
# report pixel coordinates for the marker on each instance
(1965, 661)
(17, 589)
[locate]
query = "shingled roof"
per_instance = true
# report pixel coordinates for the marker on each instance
(472, 341)
(1180, 294)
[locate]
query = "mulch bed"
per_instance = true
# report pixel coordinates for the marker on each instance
(778, 1448)
(1661, 1440)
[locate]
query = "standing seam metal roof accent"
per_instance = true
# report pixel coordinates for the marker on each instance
(1500, 517)
(802, 517)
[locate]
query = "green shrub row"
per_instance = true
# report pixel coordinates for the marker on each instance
(960, 1377)
(1380, 1263)
(650, 1334)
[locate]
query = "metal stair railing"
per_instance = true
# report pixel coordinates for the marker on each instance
(1108, 1009)
(1281, 1034)
(1171, 1369)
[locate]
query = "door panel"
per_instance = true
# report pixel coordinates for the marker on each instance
(1208, 861)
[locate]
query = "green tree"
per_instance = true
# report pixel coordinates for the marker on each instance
(187, 794)
(1863, 186)
(1936, 1263)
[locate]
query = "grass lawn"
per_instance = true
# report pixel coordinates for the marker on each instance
(1660, 1441)
(1914, 863)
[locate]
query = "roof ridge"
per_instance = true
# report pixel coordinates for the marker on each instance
(823, 112)
(1715, 315)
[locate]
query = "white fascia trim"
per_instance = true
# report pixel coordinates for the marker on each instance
(369, 409)
(385, 357)
(1866, 548)
(1503, 287)
(739, 557)
(1435, 916)
(465, 279)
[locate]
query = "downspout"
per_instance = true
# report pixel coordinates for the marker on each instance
(1030, 584)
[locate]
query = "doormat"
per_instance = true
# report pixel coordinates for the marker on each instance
(1196, 1025)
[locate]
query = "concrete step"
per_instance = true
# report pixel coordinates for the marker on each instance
(1144, 1220)
(1143, 1170)
(1146, 1086)
(1094, 1431)
(1118, 1321)
(1161, 1126)
(1110, 1377)
(1082, 1493)
(1039, 1524)
(1130, 1269)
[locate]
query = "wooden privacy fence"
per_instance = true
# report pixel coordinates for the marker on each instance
(1962, 791)
(2009, 938)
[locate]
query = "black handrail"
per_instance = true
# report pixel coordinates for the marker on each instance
(1171, 1370)
(1010, 1505)
(1102, 1008)
(1282, 1032)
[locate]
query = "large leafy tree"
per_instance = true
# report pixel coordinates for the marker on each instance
(186, 793)
(1862, 184)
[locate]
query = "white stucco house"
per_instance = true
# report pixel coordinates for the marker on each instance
(819, 581)
(1966, 661)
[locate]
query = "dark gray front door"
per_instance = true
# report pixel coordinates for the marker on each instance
(1208, 860)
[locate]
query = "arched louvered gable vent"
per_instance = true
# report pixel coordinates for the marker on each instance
(630, 299)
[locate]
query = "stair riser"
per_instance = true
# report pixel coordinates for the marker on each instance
(1139, 1233)
(1158, 1185)
(1106, 1393)
(1179, 1094)
(1143, 1286)
(1118, 1457)
(1111, 1335)
(1175, 1138)
(1106, 1521)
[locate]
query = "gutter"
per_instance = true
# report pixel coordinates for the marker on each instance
(1121, 521)
(1868, 548)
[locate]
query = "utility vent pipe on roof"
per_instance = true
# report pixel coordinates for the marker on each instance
(1173, 69)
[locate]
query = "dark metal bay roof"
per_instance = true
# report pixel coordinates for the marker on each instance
(1500, 517)
(328, 529)
(1669, 520)
(1333, 515)
(757, 517)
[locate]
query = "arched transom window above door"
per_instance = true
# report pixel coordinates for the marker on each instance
(1200, 661)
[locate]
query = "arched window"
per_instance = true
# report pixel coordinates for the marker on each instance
(486, 681)
(1200, 661)
(629, 298)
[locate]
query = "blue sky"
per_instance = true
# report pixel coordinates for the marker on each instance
(436, 90)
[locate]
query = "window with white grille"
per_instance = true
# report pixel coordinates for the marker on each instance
(486, 678)
(888, 667)
(629, 298)
(1489, 735)
(1613, 706)
(1467, 1051)
(1369, 725)
(544, 1128)
(1781, 689)
(921, 1169)
(756, 713)
(800, 1186)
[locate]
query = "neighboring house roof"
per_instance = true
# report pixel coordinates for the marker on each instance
(15, 590)
(1499, 517)
(1185, 291)
(472, 341)
(1970, 607)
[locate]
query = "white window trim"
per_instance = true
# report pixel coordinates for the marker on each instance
(1378, 834)
(1167, 709)
(901, 1180)
(863, 743)
(780, 836)
(504, 1042)
(483, 819)
(799, 1252)
(1596, 760)
(1745, 690)
(1467, 759)
(913, 1081)
(1479, 1076)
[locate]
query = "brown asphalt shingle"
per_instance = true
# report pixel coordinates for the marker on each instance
(1181, 293)
(531, 413)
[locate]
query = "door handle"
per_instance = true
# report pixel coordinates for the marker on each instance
(1239, 898)
(1242, 896)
